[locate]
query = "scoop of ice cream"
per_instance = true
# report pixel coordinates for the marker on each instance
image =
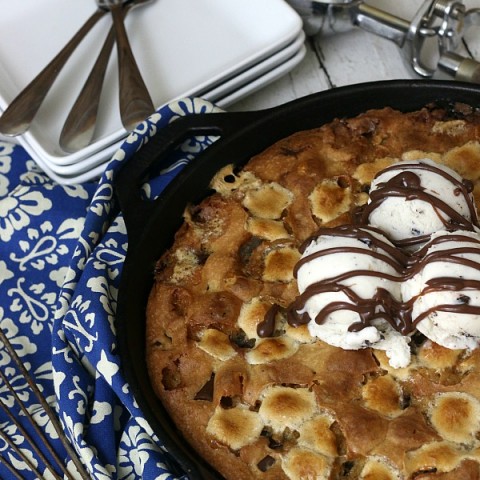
(410, 200)
(358, 289)
(346, 278)
(444, 291)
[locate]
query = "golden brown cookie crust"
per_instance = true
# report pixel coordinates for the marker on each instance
(290, 406)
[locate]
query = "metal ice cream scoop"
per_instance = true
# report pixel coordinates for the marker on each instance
(429, 42)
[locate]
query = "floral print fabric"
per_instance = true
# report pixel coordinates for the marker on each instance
(61, 255)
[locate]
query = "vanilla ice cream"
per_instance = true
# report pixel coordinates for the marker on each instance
(412, 262)
(444, 291)
(410, 200)
(343, 278)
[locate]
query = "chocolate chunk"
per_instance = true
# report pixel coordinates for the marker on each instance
(229, 178)
(247, 249)
(241, 340)
(226, 402)
(405, 401)
(346, 468)
(266, 463)
(206, 392)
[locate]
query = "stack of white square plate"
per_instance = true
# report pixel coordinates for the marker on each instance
(215, 49)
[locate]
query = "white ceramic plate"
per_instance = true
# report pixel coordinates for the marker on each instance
(253, 73)
(263, 80)
(183, 48)
(235, 84)
(229, 98)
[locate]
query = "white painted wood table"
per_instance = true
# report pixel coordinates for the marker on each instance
(348, 58)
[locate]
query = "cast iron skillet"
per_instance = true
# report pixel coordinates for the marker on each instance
(151, 225)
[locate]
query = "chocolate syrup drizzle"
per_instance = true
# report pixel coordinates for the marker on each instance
(383, 306)
(407, 185)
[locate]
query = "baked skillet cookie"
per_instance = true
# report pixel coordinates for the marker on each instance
(253, 391)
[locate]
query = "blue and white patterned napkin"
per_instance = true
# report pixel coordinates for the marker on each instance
(61, 255)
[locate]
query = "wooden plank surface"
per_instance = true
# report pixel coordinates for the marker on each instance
(344, 59)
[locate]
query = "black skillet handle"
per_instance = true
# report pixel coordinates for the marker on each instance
(132, 175)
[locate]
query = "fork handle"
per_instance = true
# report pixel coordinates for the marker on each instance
(79, 127)
(18, 116)
(135, 101)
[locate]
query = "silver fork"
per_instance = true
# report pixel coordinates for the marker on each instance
(135, 101)
(79, 126)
